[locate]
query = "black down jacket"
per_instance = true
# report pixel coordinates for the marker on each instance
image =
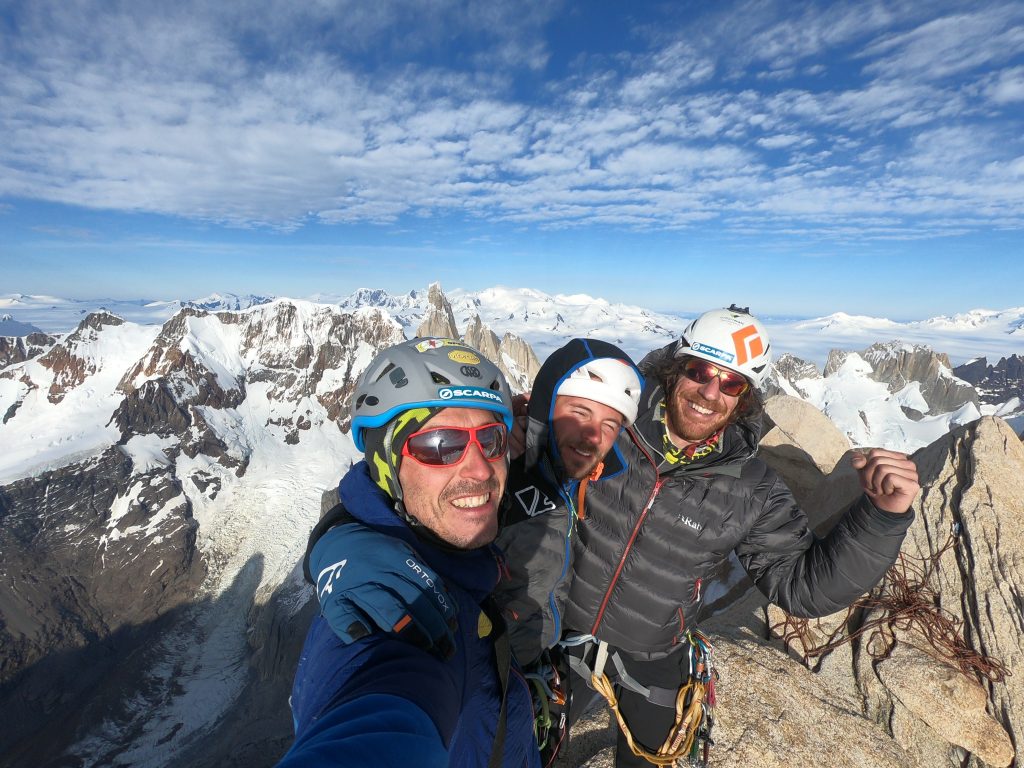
(652, 537)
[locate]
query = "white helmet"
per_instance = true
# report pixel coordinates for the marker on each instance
(609, 381)
(731, 338)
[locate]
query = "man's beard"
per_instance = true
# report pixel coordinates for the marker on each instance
(571, 461)
(682, 424)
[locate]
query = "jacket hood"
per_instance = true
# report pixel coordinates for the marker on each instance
(557, 367)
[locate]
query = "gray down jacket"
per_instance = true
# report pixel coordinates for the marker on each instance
(653, 533)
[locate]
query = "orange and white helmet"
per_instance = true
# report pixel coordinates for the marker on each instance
(731, 338)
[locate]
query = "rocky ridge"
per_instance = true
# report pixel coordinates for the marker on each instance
(115, 551)
(18, 349)
(995, 383)
(513, 356)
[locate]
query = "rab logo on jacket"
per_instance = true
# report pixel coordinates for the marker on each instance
(690, 523)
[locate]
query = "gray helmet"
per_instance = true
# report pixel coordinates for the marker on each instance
(427, 373)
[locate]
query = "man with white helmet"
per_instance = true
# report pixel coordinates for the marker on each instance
(690, 492)
(585, 393)
(432, 417)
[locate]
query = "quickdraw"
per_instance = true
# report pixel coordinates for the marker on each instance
(551, 704)
(690, 736)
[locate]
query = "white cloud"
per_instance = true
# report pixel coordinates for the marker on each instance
(782, 141)
(278, 115)
(951, 44)
(1007, 87)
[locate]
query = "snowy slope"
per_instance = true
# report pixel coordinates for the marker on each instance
(870, 415)
(262, 390)
(55, 434)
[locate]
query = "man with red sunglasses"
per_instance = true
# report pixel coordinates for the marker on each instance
(432, 418)
(586, 392)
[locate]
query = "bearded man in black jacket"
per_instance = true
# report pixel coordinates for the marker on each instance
(691, 493)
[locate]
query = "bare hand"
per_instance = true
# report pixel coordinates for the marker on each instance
(888, 478)
(517, 440)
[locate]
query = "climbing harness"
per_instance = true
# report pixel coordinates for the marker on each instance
(689, 738)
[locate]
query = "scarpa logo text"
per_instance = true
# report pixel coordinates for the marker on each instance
(721, 354)
(447, 393)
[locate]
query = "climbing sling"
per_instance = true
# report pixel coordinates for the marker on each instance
(689, 738)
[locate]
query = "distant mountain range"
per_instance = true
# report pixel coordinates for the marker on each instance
(545, 320)
(864, 412)
(11, 327)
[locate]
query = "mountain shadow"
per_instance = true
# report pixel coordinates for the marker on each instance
(100, 703)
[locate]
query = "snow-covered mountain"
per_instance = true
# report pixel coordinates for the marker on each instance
(545, 319)
(962, 337)
(152, 462)
(57, 315)
(219, 302)
(903, 397)
(174, 470)
(11, 327)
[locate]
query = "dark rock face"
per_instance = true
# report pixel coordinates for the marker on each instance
(791, 369)
(18, 349)
(70, 365)
(91, 553)
(151, 409)
(258, 730)
(995, 383)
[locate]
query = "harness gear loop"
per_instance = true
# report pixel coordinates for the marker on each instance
(693, 706)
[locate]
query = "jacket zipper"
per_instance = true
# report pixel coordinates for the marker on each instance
(629, 544)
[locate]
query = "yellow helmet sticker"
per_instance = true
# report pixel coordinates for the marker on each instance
(463, 356)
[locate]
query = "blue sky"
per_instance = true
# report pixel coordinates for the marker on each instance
(801, 158)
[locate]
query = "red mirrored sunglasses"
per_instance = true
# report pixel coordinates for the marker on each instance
(729, 382)
(445, 446)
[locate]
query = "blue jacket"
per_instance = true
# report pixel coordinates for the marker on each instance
(382, 701)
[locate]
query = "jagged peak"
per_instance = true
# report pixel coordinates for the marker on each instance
(378, 297)
(227, 302)
(894, 348)
(96, 320)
